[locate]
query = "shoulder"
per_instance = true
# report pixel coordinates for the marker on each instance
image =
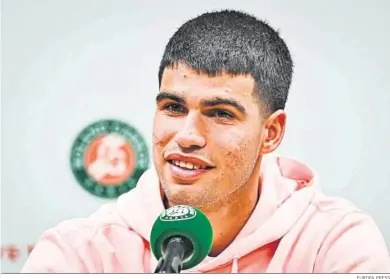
(77, 231)
(110, 215)
(334, 209)
(79, 245)
(338, 216)
(352, 241)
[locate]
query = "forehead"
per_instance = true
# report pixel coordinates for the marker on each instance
(183, 79)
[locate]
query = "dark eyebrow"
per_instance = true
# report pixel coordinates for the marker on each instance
(222, 101)
(164, 95)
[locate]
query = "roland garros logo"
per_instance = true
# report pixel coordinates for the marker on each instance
(178, 212)
(108, 157)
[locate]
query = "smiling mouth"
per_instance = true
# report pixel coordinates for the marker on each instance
(187, 165)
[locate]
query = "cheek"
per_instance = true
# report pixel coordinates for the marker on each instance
(159, 137)
(164, 129)
(237, 148)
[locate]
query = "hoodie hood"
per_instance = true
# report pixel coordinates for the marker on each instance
(287, 187)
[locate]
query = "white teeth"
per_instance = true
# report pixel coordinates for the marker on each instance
(187, 165)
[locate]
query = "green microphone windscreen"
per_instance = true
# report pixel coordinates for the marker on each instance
(187, 222)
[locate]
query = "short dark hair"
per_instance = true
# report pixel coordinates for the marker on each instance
(234, 42)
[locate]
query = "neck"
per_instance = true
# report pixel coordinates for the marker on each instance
(228, 216)
(231, 216)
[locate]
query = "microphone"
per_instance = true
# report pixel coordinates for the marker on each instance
(181, 238)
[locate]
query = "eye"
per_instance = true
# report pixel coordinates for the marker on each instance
(174, 108)
(223, 114)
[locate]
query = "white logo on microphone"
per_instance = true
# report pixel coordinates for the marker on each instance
(178, 212)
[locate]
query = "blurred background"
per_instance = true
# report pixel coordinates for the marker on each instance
(67, 64)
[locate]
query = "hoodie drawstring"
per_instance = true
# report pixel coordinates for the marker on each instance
(235, 265)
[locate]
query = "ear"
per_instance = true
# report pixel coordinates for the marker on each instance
(273, 133)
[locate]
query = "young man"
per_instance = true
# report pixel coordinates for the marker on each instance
(224, 80)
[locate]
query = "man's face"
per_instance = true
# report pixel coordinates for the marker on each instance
(206, 135)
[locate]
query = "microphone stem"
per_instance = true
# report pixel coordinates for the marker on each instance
(173, 257)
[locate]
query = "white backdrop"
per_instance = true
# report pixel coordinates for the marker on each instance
(68, 63)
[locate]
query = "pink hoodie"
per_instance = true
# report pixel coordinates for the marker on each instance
(294, 229)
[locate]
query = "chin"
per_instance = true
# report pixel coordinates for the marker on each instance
(185, 188)
(184, 194)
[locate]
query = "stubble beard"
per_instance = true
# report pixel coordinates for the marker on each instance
(207, 200)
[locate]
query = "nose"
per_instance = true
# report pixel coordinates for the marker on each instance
(190, 135)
